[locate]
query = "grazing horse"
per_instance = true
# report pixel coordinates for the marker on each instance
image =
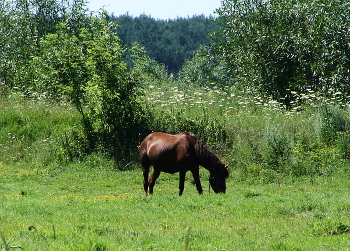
(180, 153)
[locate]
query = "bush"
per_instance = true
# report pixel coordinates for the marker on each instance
(343, 144)
(330, 121)
(88, 70)
(278, 150)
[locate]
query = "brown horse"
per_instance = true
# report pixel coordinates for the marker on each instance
(180, 153)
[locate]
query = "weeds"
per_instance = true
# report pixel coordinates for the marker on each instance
(343, 144)
(331, 120)
(340, 229)
(329, 228)
(38, 234)
(98, 247)
(187, 238)
(258, 139)
(7, 246)
(278, 151)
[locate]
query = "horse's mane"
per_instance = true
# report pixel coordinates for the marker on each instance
(203, 153)
(207, 159)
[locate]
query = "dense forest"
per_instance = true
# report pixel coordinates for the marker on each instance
(170, 42)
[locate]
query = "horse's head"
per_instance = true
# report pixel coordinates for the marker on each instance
(217, 180)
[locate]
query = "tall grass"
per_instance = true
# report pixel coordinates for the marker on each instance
(32, 132)
(257, 137)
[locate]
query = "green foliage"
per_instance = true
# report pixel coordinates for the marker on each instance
(278, 151)
(74, 144)
(23, 24)
(316, 161)
(343, 144)
(205, 69)
(260, 142)
(169, 42)
(331, 121)
(332, 127)
(88, 70)
(283, 46)
(147, 70)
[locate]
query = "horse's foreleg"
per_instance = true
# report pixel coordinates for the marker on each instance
(195, 173)
(182, 182)
(153, 179)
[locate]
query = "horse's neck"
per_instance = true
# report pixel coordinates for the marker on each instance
(206, 158)
(208, 166)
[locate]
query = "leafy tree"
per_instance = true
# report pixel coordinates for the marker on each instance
(23, 23)
(16, 42)
(53, 49)
(205, 69)
(88, 69)
(147, 70)
(281, 46)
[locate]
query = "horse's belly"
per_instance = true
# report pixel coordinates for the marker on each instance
(171, 170)
(166, 168)
(171, 161)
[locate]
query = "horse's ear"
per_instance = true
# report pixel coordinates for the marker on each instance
(227, 172)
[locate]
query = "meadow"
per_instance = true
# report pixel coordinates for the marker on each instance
(288, 188)
(98, 208)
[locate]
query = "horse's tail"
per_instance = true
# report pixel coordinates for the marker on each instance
(144, 159)
(143, 147)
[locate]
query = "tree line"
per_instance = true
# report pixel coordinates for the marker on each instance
(169, 42)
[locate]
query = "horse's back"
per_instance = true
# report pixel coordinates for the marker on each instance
(165, 149)
(164, 142)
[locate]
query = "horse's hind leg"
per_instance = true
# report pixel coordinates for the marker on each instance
(145, 171)
(153, 179)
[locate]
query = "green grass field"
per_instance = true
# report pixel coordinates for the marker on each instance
(50, 200)
(84, 208)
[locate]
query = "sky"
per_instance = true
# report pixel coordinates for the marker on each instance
(158, 9)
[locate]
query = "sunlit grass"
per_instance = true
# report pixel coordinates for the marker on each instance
(84, 208)
(31, 131)
(49, 203)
